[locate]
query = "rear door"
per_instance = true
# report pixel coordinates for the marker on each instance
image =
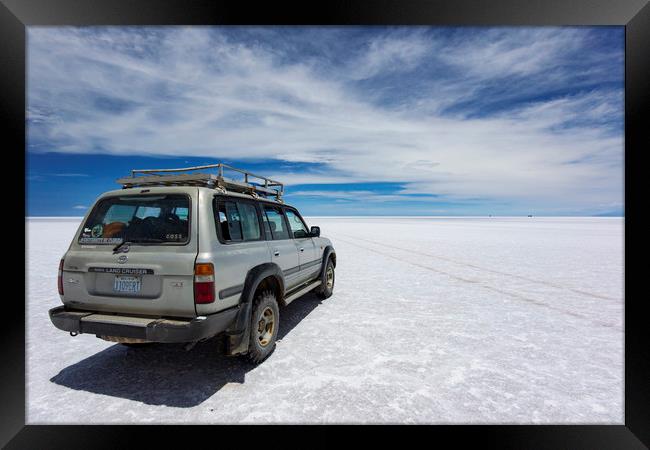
(240, 247)
(283, 250)
(152, 272)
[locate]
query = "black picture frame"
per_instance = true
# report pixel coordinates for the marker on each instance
(15, 15)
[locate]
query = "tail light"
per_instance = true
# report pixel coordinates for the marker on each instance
(60, 278)
(203, 283)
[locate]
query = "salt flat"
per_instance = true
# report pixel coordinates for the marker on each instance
(433, 320)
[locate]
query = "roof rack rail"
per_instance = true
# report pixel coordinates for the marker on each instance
(174, 177)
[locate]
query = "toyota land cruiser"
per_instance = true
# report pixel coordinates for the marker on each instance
(178, 255)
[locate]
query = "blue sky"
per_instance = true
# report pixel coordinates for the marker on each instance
(356, 120)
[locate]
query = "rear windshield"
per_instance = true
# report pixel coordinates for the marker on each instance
(138, 218)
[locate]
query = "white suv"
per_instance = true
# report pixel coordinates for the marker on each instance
(183, 257)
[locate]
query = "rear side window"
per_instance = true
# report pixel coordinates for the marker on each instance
(237, 221)
(229, 222)
(138, 218)
(249, 221)
(274, 222)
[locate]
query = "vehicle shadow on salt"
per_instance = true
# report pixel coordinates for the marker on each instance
(167, 374)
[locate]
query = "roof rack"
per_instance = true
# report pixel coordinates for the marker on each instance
(174, 177)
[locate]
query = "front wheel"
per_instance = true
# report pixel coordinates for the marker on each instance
(264, 326)
(327, 283)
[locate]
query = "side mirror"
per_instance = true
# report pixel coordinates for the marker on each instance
(314, 232)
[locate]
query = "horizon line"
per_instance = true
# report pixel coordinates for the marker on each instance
(399, 216)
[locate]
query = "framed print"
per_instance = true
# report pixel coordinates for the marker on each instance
(362, 213)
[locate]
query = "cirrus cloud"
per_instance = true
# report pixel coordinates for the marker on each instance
(531, 116)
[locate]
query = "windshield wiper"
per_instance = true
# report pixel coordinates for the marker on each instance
(139, 241)
(116, 249)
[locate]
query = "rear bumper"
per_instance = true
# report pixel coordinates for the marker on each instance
(150, 329)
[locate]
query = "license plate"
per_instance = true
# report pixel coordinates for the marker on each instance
(127, 284)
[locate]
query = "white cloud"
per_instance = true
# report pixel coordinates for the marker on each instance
(394, 52)
(197, 92)
(356, 195)
(521, 51)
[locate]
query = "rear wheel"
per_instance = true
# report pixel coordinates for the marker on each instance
(265, 320)
(327, 282)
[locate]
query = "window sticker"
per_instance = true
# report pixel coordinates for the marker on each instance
(97, 230)
(99, 240)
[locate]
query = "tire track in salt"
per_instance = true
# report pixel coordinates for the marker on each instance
(491, 288)
(498, 272)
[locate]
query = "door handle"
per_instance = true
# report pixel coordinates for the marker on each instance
(276, 253)
(302, 249)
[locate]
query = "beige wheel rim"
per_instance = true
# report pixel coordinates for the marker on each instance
(265, 327)
(330, 277)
